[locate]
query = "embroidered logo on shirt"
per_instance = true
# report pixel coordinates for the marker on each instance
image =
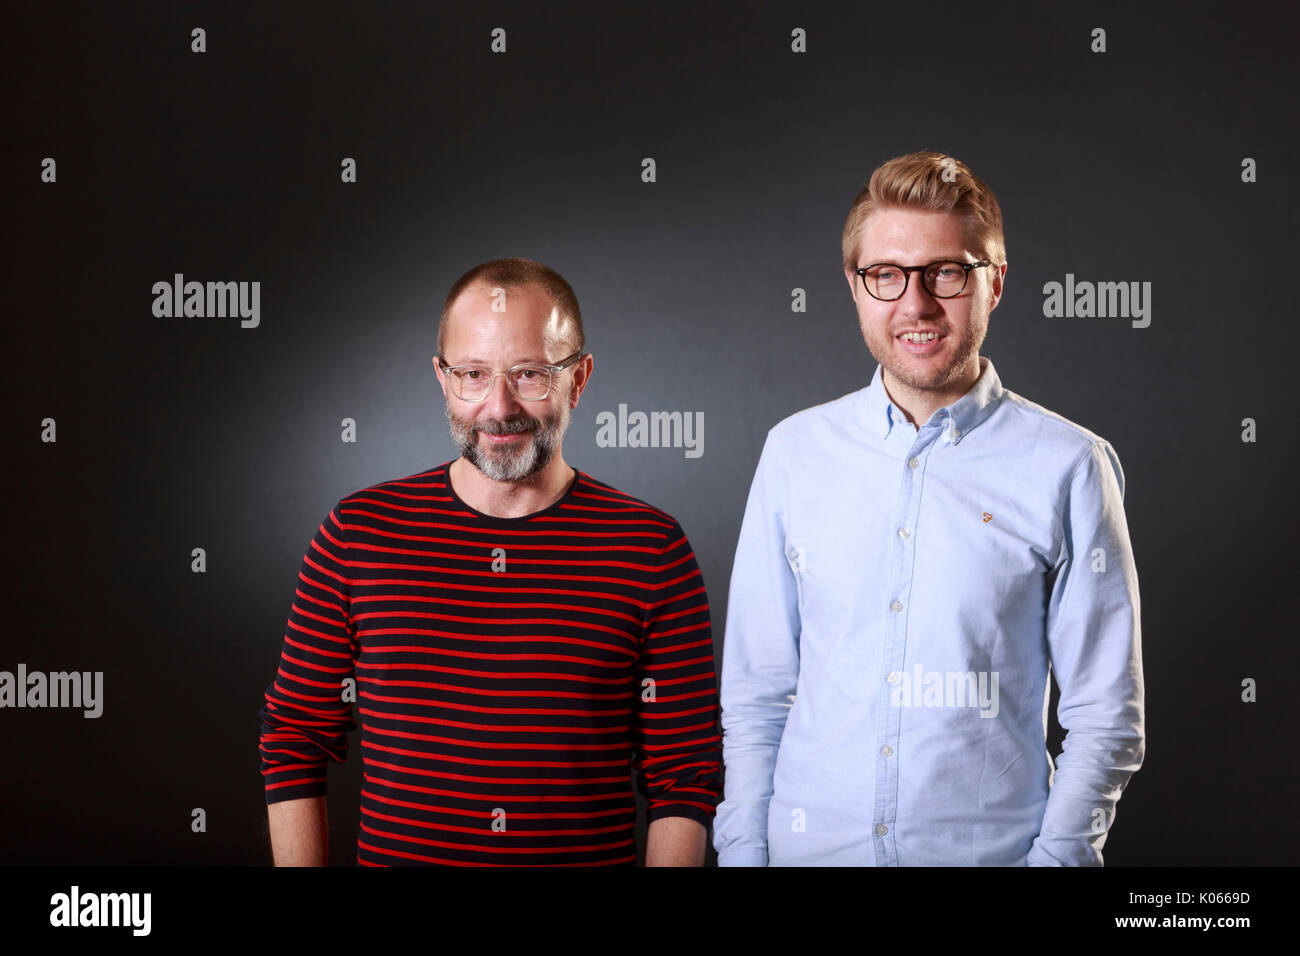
(987, 517)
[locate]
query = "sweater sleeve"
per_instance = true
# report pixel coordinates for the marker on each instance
(677, 743)
(305, 717)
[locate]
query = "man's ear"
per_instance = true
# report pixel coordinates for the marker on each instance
(581, 376)
(998, 275)
(442, 379)
(853, 282)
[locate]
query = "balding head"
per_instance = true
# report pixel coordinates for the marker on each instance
(498, 278)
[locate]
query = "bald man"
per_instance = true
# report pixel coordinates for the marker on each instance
(524, 644)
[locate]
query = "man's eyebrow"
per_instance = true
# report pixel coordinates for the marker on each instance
(897, 260)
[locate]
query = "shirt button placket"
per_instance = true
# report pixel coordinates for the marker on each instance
(886, 809)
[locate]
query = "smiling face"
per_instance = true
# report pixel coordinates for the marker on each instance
(925, 374)
(505, 438)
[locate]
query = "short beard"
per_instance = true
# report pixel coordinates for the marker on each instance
(942, 378)
(510, 463)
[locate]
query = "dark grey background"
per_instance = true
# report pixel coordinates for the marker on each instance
(183, 433)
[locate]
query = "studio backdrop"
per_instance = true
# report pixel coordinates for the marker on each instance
(688, 170)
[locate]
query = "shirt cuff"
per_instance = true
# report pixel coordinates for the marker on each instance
(746, 856)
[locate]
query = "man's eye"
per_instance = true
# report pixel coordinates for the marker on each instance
(472, 374)
(528, 374)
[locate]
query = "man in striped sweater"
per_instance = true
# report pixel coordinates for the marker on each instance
(522, 642)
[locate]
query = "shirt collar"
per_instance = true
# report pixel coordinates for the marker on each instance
(963, 415)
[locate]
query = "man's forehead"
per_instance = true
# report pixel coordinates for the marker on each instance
(909, 233)
(490, 318)
(498, 298)
(518, 303)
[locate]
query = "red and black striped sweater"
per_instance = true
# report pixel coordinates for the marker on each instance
(511, 675)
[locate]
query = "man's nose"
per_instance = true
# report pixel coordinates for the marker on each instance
(917, 300)
(500, 402)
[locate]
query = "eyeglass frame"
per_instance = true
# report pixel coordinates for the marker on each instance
(555, 370)
(907, 278)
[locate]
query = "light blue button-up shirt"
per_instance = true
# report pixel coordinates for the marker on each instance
(897, 598)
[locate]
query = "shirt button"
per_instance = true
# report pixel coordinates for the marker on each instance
(912, 463)
(896, 607)
(902, 532)
(882, 829)
(887, 750)
(956, 433)
(893, 677)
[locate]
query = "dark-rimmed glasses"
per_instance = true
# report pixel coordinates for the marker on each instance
(943, 279)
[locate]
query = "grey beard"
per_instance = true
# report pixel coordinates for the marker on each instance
(506, 463)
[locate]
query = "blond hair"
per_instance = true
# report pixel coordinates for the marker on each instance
(933, 182)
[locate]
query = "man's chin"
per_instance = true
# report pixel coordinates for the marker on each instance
(504, 464)
(489, 450)
(938, 378)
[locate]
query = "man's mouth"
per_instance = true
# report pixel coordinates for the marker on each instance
(921, 343)
(506, 433)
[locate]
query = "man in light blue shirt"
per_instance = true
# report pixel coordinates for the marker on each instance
(914, 557)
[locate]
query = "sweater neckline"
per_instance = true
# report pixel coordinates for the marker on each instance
(497, 519)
